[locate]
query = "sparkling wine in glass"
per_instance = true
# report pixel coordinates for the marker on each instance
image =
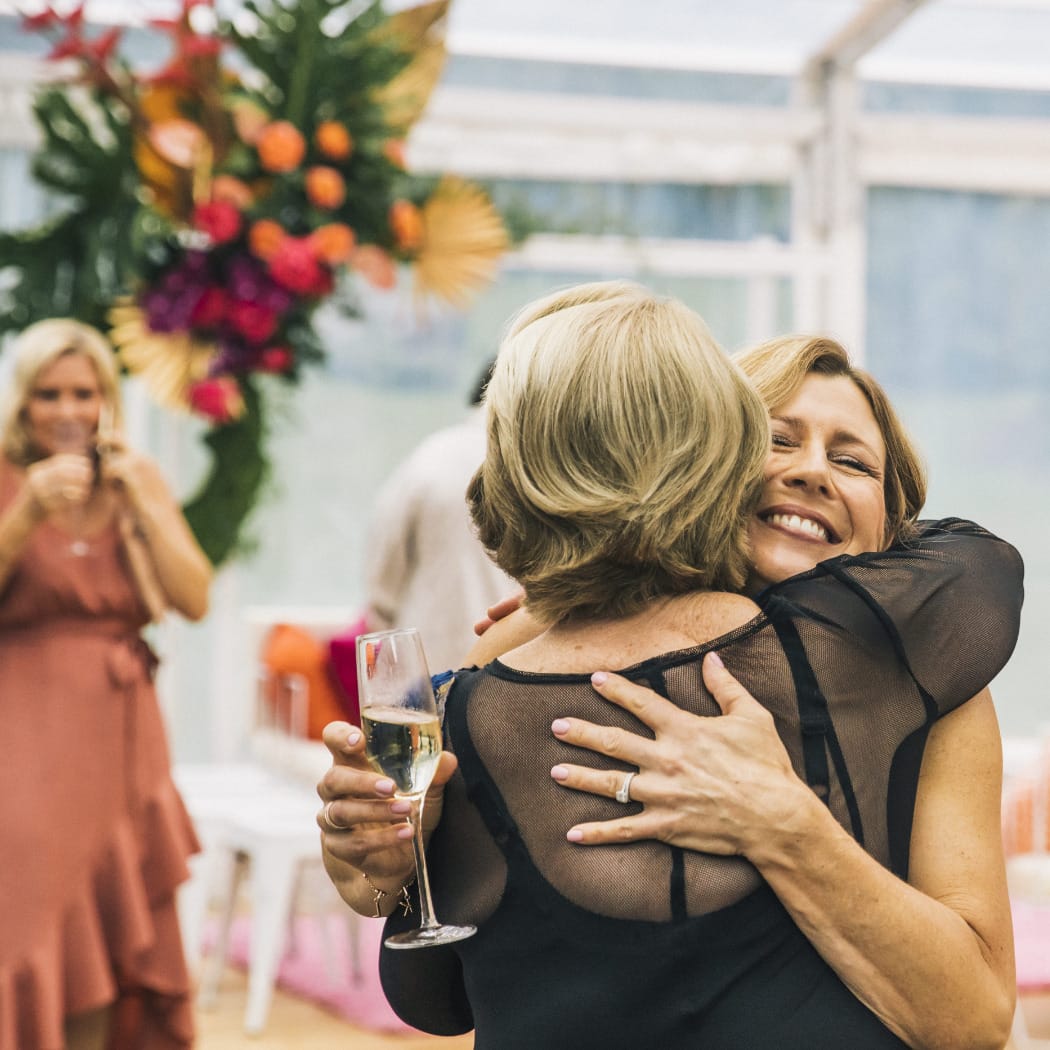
(403, 742)
(75, 438)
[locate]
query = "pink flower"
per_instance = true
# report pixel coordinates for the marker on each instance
(276, 359)
(219, 399)
(295, 265)
(220, 220)
(255, 322)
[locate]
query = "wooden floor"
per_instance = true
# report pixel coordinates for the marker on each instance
(295, 1024)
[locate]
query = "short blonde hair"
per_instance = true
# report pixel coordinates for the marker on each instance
(625, 454)
(778, 368)
(38, 347)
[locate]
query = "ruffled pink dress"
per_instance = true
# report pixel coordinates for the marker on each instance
(94, 837)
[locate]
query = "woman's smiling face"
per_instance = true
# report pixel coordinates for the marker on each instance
(823, 493)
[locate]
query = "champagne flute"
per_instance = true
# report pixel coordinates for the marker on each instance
(403, 742)
(73, 437)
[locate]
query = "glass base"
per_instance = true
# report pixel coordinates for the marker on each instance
(428, 936)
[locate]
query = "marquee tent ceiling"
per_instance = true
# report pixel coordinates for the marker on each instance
(985, 43)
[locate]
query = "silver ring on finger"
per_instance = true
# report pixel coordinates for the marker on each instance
(330, 821)
(623, 793)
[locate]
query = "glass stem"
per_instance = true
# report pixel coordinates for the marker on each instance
(426, 904)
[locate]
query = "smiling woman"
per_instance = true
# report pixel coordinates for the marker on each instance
(818, 870)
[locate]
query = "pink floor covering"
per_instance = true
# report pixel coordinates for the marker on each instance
(1032, 945)
(316, 966)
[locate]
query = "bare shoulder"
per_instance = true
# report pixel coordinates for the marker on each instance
(710, 614)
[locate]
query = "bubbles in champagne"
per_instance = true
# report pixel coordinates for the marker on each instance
(402, 744)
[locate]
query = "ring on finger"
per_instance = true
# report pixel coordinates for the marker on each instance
(623, 792)
(333, 824)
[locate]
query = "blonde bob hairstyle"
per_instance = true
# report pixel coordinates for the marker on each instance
(778, 368)
(625, 455)
(39, 346)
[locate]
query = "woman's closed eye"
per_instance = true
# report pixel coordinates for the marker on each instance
(853, 463)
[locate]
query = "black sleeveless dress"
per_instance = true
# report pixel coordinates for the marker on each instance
(647, 945)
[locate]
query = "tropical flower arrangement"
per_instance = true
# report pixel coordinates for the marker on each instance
(210, 206)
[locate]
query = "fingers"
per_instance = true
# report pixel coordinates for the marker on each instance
(497, 612)
(606, 782)
(645, 704)
(606, 740)
(729, 694)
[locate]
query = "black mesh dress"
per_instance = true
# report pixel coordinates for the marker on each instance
(645, 945)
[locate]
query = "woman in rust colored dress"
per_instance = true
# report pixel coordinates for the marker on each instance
(92, 831)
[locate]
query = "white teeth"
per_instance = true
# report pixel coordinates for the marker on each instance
(798, 524)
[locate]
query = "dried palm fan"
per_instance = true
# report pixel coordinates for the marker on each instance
(163, 143)
(463, 239)
(420, 31)
(168, 362)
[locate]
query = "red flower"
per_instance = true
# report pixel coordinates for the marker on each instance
(219, 399)
(210, 308)
(220, 220)
(44, 20)
(295, 265)
(256, 323)
(276, 359)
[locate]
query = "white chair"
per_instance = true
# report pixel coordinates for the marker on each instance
(256, 821)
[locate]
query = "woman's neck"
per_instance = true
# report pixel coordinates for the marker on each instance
(665, 625)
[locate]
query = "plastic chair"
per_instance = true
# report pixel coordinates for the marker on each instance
(257, 824)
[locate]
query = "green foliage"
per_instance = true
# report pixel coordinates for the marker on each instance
(239, 470)
(81, 260)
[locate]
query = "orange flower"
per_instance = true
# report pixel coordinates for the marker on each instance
(333, 243)
(375, 266)
(265, 238)
(325, 187)
(231, 189)
(333, 140)
(406, 221)
(281, 146)
(394, 151)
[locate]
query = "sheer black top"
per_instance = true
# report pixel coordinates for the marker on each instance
(643, 944)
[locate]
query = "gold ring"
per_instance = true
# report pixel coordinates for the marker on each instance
(333, 825)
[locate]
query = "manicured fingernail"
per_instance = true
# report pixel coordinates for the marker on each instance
(559, 725)
(353, 738)
(404, 833)
(715, 659)
(599, 678)
(401, 806)
(560, 773)
(574, 835)
(385, 787)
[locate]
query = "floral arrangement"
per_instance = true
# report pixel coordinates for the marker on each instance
(213, 204)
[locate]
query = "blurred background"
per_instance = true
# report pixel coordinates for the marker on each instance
(878, 170)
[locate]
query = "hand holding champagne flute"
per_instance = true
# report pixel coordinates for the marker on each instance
(403, 741)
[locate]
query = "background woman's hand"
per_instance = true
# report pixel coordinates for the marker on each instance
(129, 473)
(375, 837)
(61, 482)
(717, 785)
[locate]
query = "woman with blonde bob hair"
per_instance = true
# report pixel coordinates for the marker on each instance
(758, 883)
(92, 547)
(595, 494)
